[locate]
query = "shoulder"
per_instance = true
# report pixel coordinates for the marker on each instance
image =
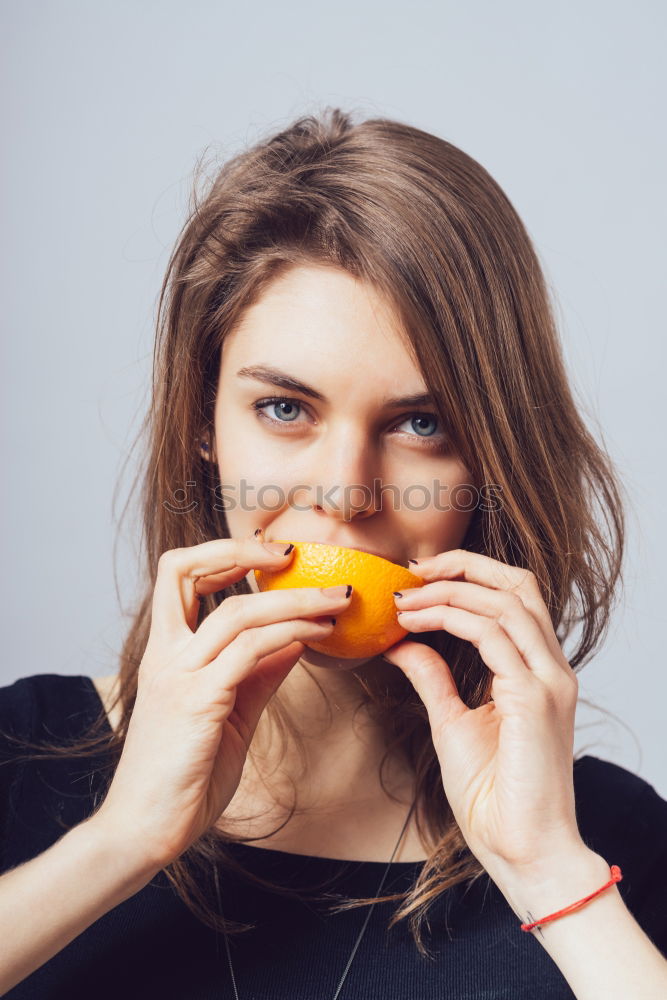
(46, 703)
(107, 691)
(605, 790)
(610, 800)
(624, 819)
(590, 771)
(47, 783)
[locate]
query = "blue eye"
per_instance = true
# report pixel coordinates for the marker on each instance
(290, 406)
(423, 418)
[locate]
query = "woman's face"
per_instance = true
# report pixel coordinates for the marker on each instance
(334, 460)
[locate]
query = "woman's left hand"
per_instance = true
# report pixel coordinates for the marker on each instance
(506, 765)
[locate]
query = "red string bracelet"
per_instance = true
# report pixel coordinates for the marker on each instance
(616, 876)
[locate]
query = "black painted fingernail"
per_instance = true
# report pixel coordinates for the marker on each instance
(288, 549)
(397, 593)
(348, 591)
(333, 621)
(413, 561)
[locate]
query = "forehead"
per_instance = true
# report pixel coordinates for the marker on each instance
(323, 316)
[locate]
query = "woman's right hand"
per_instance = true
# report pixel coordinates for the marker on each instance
(201, 692)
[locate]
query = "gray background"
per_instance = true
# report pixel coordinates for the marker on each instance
(105, 109)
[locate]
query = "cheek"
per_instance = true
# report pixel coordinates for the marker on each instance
(256, 482)
(453, 529)
(433, 489)
(438, 506)
(243, 453)
(443, 529)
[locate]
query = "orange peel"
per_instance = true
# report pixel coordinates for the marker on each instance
(369, 624)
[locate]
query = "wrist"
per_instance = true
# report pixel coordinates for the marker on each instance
(121, 854)
(555, 883)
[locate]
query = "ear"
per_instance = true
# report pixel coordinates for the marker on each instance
(206, 448)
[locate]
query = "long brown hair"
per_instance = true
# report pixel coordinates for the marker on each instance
(432, 231)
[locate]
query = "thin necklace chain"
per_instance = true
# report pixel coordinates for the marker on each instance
(361, 932)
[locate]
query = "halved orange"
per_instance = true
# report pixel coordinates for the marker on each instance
(369, 624)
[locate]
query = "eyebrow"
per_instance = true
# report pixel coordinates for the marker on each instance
(273, 376)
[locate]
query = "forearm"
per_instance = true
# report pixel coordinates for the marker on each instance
(48, 901)
(600, 948)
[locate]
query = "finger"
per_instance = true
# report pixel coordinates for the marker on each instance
(507, 608)
(254, 694)
(174, 594)
(474, 567)
(239, 659)
(431, 678)
(211, 583)
(486, 634)
(244, 611)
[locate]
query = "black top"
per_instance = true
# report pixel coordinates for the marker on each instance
(153, 946)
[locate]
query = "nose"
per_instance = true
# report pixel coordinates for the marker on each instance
(347, 508)
(350, 490)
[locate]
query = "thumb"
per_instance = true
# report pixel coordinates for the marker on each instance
(255, 691)
(431, 678)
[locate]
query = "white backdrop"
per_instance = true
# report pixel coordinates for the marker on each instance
(105, 109)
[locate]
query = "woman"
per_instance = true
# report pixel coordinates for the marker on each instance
(355, 346)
